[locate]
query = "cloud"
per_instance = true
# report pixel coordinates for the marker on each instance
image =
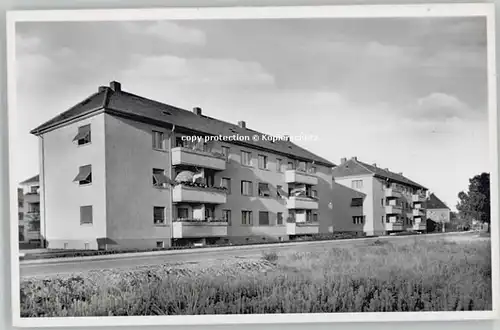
(168, 31)
(198, 71)
(440, 107)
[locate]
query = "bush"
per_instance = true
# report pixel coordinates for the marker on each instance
(272, 257)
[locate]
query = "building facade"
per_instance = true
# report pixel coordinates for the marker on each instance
(29, 210)
(437, 210)
(118, 170)
(393, 203)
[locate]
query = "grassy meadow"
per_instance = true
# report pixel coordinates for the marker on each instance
(404, 274)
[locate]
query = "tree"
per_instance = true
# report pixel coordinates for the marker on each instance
(475, 203)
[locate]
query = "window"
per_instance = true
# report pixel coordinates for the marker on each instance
(314, 193)
(225, 152)
(159, 244)
(382, 219)
(315, 217)
(264, 190)
(226, 182)
(21, 216)
(302, 166)
(263, 162)
(209, 212)
(86, 215)
(83, 136)
(357, 184)
(182, 213)
(382, 201)
(209, 179)
(159, 178)
(34, 189)
(357, 202)
(158, 140)
(263, 218)
(158, 215)
(20, 203)
(226, 216)
(358, 220)
(179, 142)
(84, 175)
(291, 166)
(246, 217)
(279, 218)
(246, 158)
(278, 164)
(308, 215)
(246, 188)
(313, 169)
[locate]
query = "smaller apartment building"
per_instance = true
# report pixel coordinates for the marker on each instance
(119, 170)
(392, 203)
(29, 210)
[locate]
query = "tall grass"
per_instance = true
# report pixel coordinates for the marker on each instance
(407, 275)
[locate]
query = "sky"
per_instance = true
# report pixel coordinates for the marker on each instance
(409, 94)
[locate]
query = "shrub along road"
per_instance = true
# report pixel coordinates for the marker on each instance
(51, 267)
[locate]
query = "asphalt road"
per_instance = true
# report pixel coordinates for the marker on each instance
(78, 266)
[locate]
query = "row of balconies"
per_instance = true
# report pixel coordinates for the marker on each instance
(395, 193)
(199, 229)
(194, 194)
(210, 160)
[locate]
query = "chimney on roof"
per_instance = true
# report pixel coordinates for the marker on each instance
(354, 158)
(102, 88)
(242, 124)
(286, 137)
(115, 86)
(375, 164)
(197, 111)
(343, 160)
(386, 169)
(400, 173)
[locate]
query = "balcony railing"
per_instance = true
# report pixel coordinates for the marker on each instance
(419, 226)
(398, 226)
(418, 212)
(191, 228)
(418, 198)
(393, 192)
(302, 203)
(393, 209)
(199, 194)
(301, 176)
(199, 158)
(302, 228)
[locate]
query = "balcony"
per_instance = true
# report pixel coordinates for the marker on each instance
(393, 209)
(302, 228)
(199, 229)
(393, 193)
(199, 158)
(418, 198)
(193, 194)
(419, 226)
(302, 203)
(398, 226)
(418, 212)
(297, 176)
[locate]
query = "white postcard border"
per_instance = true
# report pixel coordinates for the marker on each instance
(353, 11)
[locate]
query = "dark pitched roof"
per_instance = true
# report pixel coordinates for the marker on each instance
(120, 103)
(356, 167)
(33, 179)
(435, 203)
